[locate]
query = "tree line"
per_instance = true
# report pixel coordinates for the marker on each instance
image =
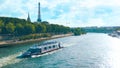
(19, 27)
(100, 29)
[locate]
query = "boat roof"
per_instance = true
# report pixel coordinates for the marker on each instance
(43, 44)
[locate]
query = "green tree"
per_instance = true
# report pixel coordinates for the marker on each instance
(38, 28)
(45, 22)
(19, 30)
(78, 31)
(29, 28)
(10, 28)
(1, 26)
(43, 26)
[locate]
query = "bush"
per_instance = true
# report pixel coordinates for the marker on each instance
(34, 36)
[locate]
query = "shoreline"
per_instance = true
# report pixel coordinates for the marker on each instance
(12, 42)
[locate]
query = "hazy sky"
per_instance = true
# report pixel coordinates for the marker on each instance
(72, 13)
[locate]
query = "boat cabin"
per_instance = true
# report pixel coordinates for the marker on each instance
(45, 47)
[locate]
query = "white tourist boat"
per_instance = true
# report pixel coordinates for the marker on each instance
(41, 49)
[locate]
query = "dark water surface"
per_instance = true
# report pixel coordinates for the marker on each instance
(87, 51)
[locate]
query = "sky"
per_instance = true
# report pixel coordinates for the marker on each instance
(72, 13)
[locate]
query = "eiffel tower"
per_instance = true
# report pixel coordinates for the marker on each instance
(39, 15)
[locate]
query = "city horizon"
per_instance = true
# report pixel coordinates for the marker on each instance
(84, 13)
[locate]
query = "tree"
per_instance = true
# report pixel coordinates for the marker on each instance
(29, 28)
(10, 28)
(45, 22)
(19, 30)
(1, 26)
(43, 28)
(38, 28)
(78, 31)
(48, 29)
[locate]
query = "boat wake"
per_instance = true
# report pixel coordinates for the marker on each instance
(69, 44)
(9, 60)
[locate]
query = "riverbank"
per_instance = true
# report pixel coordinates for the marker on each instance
(12, 42)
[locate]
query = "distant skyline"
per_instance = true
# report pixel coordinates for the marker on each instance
(73, 13)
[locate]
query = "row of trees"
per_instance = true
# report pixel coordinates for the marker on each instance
(14, 27)
(22, 29)
(100, 29)
(78, 31)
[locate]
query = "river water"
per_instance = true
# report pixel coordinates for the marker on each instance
(93, 50)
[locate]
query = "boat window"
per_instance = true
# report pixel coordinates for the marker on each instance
(53, 46)
(45, 48)
(34, 50)
(49, 47)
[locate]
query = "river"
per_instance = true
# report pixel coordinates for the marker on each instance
(93, 50)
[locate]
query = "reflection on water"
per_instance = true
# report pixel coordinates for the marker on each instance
(87, 51)
(114, 53)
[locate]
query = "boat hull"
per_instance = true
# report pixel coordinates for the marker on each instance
(39, 54)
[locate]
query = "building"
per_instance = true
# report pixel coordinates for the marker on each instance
(28, 19)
